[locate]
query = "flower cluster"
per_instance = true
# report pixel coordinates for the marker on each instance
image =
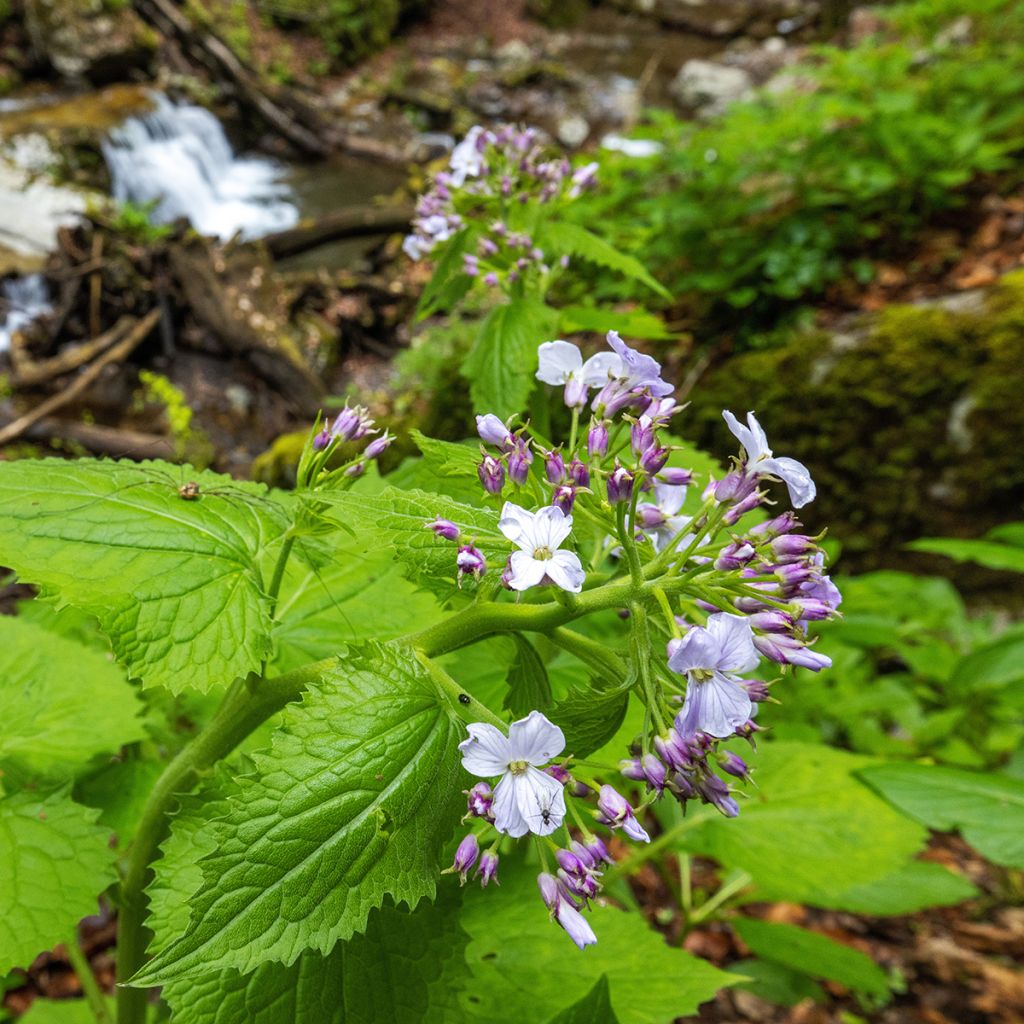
(708, 578)
(492, 178)
(353, 425)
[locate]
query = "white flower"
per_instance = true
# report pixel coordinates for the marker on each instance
(761, 462)
(467, 159)
(526, 799)
(561, 362)
(716, 702)
(538, 536)
(631, 147)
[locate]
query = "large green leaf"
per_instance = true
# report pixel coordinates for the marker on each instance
(917, 885)
(502, 362)
(594, 1008)
(591, 715)
(351, 804)
(61, 1011)
(525, 968)
(174, 583)
(407, 968)
(814, 954)
(56, 861)
(528, 685)
(991, 554)
(60, 703)
(811, 830)
(987, 808)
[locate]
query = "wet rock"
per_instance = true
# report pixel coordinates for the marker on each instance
(82, 39)
(708, 87)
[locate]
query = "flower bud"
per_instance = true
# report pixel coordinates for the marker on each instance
(734, 486)
(676, 477)
(632, 768)
(620, 484)
(653, 459)
(787, 650)
(734, 556)
(597, 439)
(519, 462)
(356, 469)
(790, 547)
(564, 497)
(650, 517)
(488, 868)
(771, 621)
(812, 610)
(735, 513)
(757, 689)
(465, 857)
(491, 279)
(615, 810)
(322, 440)
(575, 394)
(599, 852)
(579, 473)
(378, 445)
(559, 773)
(479, 801)
(641, 435)
(470, 562)
(492, 474)
(493, 431)
(714, 791)
(775, 527)
(443, 528)
(470, 265)
(554, 467)
(734, 765)
(654, 772)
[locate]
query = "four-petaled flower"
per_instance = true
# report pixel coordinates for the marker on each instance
(538, 536)
(526, 799)
(716, 703)
(639, 370)
(561, 362)
(760, 461)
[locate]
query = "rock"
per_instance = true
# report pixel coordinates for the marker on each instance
(708, 88)
(81, 39)
(572, 130)
(722, 19)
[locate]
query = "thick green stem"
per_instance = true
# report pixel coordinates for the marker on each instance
(241, 711)
(90, 986)
(590, 652)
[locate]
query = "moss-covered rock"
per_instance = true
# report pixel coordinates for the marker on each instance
(911, 423)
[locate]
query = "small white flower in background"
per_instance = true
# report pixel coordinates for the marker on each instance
(467, 159)
(538, 536)
(561, 362)
(716, 702)
(761, 462)
(631, 147)
(526, 799)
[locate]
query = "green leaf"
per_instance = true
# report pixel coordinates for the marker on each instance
(991, 665)
(448, 283)
(173, 583)
(590, 716)
(814, 954)
(355, 984)
(594, 1008)
(447, 459)
(524, 967)
(775, 983)
(987, 808)
(575, 240)
(61, 1011)
(56, 861)
(811, 830)
(502, 362)
(60, 703)
(396, 520)
(528, 683)
(914, 887)
(636, 323)
(988, 553)
(120, 791)
(351, 804)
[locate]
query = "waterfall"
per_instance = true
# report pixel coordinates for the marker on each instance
(22, 299)
(178, 156)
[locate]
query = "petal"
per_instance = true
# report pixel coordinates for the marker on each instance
(670, 497)
(541, 801)
(635, 830)
(535, 739)
(575, 925)
(517, 524)
(740, 432)
(557, 361)
(487, 752)
(717, 706)
(525, 571)
(507, 817)
(796, 477)
(735, 642)
(551, 527)
(565, 571)
(601, 368)
(697, 650)
(758, 438)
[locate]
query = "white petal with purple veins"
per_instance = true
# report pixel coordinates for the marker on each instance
(487, 751)
(735, 641)
(717, 706)
(541, 801)
(794, 475)
(535, 739)
(507, 816)
(565, 570)
(525, 571)
(696, 650)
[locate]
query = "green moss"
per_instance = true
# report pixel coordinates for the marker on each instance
(910, 425)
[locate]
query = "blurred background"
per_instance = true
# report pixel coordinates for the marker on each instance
(201, 213)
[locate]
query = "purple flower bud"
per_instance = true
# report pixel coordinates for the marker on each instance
(790, 547)
(632, 768)
(575, 394)
(563, 261)
(487, 247)
(322, 440)
(564, 497)
(734, 486)
(488, 868)
(570, 863)
(620, 484)
(615, 810)
(650, 517)
(597, 439)
(787, 650)
(564, 912)
(550, 891)
(734, 765)
(507, 574)
(554, 467)
(734, 556)
(491, 279)
(714, 791)
(492, 474)
(641, 435)
(470, 265)
(465, 857)
(519, 462)
(356, 469)
(493, 431)
(812, 610)
(794, 573)
(654, 772)
(734, 514)
(673, 751)
(771, 621)
(757, 689)
(559, 773)
(676, 477)
(498, 228)
(653, 459)
(775, 527)
(479, 800)
(579, 473)
(470, 562)
(443, 528)
(378, 445)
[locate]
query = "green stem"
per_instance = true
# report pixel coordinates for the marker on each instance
(90, 986)
(590, 652)
(741, 881)
(686, 885)
(468, 708)
(241, 711)
(282, 562)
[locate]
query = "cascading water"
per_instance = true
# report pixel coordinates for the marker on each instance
(22, 300)
(178, 156)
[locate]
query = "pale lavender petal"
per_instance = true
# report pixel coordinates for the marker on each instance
(507, 816)
(487, 751)
(525, 571)
(491, 429)
(740, 432)
(565, 571)
(670, 497)
(557, 361)
(795, 476)
(635, 830)
(697, 650)
(535, 739)
(517, 524)
(735, 640)
(575, 925)
(551, 527)
(717, 706)
(601, 368)
(541, 801)
(759, 439)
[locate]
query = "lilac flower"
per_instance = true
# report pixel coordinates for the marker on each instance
(710, 657)
(488, 868)
(443, 528)
(639, 370)
(526, 799)
(479, 801)
(759, 460)
(465, 858)
(616, 812)
(470, 561)
(562, 910)
(538, 536)
(493, 431)
(561, 362)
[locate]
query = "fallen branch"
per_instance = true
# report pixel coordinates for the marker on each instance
(30, 375)
(116, 354)
(101, 440)
(359, 222)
